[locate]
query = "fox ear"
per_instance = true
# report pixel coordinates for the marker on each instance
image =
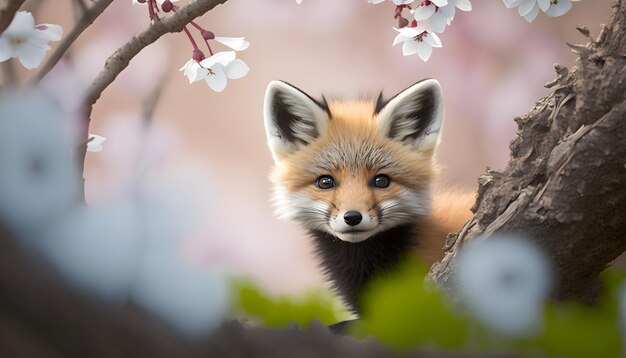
(414, 116)
(292, 118)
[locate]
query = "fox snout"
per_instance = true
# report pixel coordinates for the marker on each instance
(352, 217)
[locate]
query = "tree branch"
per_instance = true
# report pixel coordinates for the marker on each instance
(88, 17)
(564, 183)
(121, 58)
(7, 14)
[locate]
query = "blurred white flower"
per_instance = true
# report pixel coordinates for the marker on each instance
(299, 2)
(236, 43)
(221, 66)
(193, 71)
(417, 40)
(27, 42)
(38, 179)
(95, 143)
(504, 281)
(96, 249)
(193, 300)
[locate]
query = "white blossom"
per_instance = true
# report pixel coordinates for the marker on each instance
(193, 71)
(417, 40)
(95, 143)
(236, 43)
(27, 42)
(504, 281)
(432, 18)
(221, 66)
(38, 179)
(529, 9)
(558, 7)
(299, 2)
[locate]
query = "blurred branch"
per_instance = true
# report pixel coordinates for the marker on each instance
(565, 183)
(87, 19)
(121, 58)
(9, 74)
(151, 101)
(7, 14)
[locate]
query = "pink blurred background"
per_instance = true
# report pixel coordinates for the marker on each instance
(492, 67)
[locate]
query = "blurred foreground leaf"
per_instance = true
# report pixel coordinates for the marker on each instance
(402, 312)
(281, 311)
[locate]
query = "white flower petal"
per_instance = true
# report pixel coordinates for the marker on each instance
(424, 12)
(543, 4)
(424, 51)
(22, 25)
(51, 32)
(464, 5)
(409, 48)
(526, 7)
(217, 81)
(432, 39)
(223, 58)
(512, 3)
(532, 15)
(236, 43)
(440, 3)
(236, 69)
(401, 38)
(559, 9)
(30, 55)
(375, 1)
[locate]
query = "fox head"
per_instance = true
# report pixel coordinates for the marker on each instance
(353, 169)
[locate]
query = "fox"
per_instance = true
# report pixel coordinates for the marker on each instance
(359, 177)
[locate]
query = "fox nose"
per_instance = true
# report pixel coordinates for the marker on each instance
(353, 217)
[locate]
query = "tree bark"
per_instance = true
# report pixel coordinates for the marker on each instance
(565, 184)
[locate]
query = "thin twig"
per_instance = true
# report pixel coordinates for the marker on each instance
(87, 19)
(7, 14)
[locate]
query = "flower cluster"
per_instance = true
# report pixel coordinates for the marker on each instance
(26, 41)
(216, 69)
(426, 19)
(418, 33)
(529, 9)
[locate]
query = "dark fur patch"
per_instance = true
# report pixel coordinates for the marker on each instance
(421, 114)
(351, 266)
(283, 118)
(380, 103)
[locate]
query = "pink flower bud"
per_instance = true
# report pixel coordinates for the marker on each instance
(167, 6)
(197, 55)
(207, 35)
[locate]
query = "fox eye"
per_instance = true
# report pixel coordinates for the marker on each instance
(325, 182)
(381, 181)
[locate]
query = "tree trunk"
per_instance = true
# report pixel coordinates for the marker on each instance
(565, 183)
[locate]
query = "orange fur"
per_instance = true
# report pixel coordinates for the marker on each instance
(356, 121)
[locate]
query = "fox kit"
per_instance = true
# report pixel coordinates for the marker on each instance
(358, 176)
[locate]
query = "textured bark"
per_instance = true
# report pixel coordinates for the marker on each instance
(565, 183)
